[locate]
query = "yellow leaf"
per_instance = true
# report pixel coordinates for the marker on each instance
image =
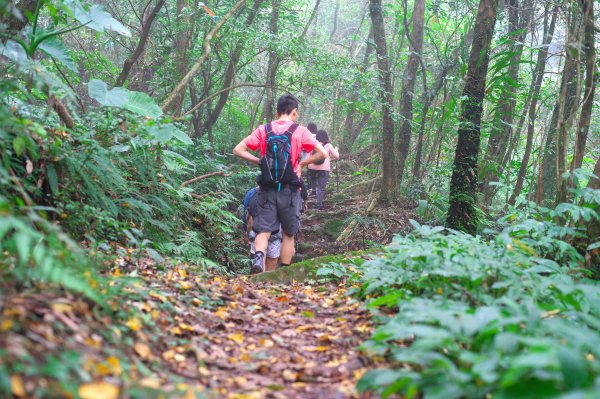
(221, 313)
(186, 327)
(6, 325)
(16, 385)
(61, 307)
(182, 273)
(99, 390)
(114, 363)
(289, 375)
(317, 348)
(152, 383)
(189, 395)
(168, 355)
(196, 302)
(134, 323)
(185, 285)
(156, 295)
(238, 337)
(179, 358)
(142, 350)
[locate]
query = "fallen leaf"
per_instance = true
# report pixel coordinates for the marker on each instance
(221, 313)
(152, 383)
(134, 323)
(142, 350)
(61, 307)
(6, 325)
(16, 385)
(99, 390)
(237, 337)
(289, 375)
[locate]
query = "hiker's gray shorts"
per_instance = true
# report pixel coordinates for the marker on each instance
(278, 207)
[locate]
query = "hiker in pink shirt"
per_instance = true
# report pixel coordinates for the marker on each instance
(280, 144)
(320, 170)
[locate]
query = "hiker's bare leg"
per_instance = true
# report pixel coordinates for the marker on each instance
(261, 242)
(271, 264)
(287, 249)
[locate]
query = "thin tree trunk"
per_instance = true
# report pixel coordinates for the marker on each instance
(569, 95)
(538, 73)
(350, 131)
(335, 20)
(519, 19)
(231, 69)
(272, 65)
(463, 185)
(141, 45)
(590, 85)
(408, 82)
(383, 64)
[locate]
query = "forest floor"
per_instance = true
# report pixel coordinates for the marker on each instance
(178, 333)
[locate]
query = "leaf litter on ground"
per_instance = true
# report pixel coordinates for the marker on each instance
(177, 334)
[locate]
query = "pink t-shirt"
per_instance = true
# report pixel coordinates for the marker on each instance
(302, 139)
(326, 165)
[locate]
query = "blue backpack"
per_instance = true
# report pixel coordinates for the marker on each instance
(276, 167)
(246, 204)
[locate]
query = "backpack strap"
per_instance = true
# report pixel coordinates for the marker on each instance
(268, 128)
(293, 128)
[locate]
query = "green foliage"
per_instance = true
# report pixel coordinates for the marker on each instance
(512, 317)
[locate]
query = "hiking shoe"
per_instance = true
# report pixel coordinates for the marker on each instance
(257, 263)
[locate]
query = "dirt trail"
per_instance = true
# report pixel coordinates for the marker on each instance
(186, 336)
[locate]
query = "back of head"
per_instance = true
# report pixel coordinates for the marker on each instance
(312, 127)
(286, 104)
(322, 137)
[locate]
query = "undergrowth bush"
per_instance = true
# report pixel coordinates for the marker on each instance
(514, 316)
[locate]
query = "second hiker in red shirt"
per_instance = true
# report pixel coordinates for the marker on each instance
(280, 143)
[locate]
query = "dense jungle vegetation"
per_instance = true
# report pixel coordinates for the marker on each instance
(122, 263)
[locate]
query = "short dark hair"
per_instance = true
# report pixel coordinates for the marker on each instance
(312, 127)
(322, 137)
(286, 104)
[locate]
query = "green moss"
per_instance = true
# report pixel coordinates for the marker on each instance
(333, 227)
(307, 269)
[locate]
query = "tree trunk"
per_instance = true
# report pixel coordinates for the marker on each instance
(273, 63)
(350, 130)
(231, 70)
(554, 161)
(335, 20)
(463, 185)
(141, 45)
(182, 44)
(499, 138)
(383, 65)
(590, 71)
(408, 83)
(538, 74)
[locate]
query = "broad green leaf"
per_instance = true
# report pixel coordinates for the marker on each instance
(55, 48)
(142, 104)
(52, 178)
(94, 17)
(19, 145)
(116, 97)
(13, 51)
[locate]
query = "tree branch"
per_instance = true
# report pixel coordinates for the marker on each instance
(198, 178)
(196, 67)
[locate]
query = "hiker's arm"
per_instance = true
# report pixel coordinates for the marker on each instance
(241, 150)
(333, 151)
(319, 154)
